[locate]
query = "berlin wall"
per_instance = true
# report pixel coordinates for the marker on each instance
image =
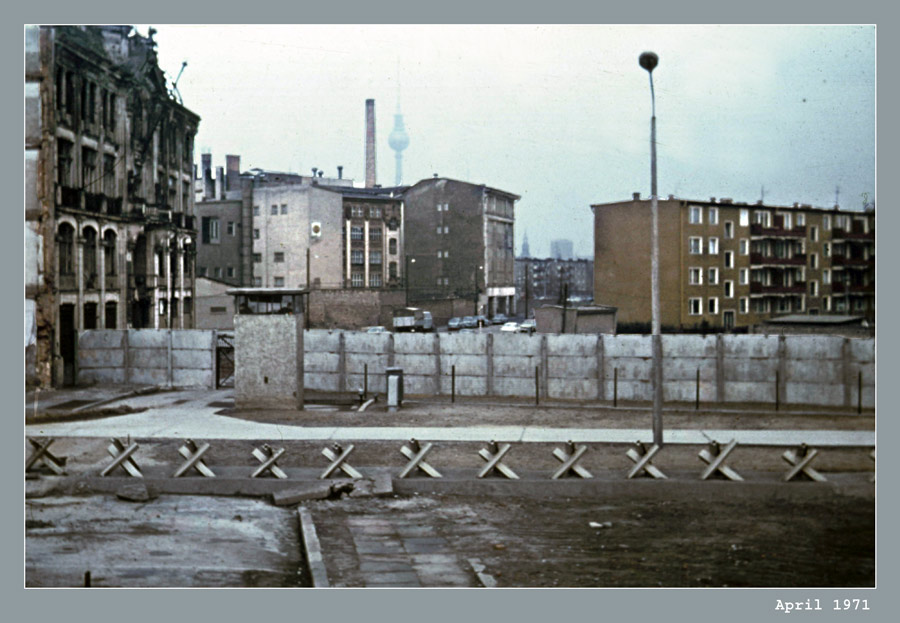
(803, 369)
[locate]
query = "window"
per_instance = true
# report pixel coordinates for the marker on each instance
(375, 234)
(714, 216)
(696, 215)
(745, 218)
(375, 280)
(256, 234)
(284, 208)
(814, 288)
(279, 256)
(786, 221)
(279, 282)
(814, 233)
(356, 233)
(356, 212)
(729, 230)
(694, 307)
(713, 276)
(374, 257)
(357, 280)
(744, 246)
(217, 271)
(109, 252)
(439, 229)
(713, 246)
(357, 256)
(729, 259)
(743, 305)
(375, 212)
(761, 218)
(713, 305)
(826, 302)
(729, 289)
(743, 276)
(64, 158)
(257, 282)
(840, 305)
(826, 249)
(209, 233)
(440, 281)
(257, 257)
(826, 277)
(392, 246)
(826, 223)
(230, 228)
(88, 167)
(813, 260)
(201, 270)
(255, 210)
(446, 229)
(695, 276)
(66, 242)
(274, 210)
(392, 270)
(696, 246)
(229, 271)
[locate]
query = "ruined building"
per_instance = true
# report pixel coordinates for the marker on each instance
(109, 214)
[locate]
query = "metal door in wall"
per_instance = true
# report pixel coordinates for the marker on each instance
(67, 342)
(225, 360)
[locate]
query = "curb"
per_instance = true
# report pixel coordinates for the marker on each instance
(312, 549)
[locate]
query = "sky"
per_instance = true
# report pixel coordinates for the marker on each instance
(558, 114)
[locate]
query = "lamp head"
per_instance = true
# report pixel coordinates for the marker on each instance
(649, 61)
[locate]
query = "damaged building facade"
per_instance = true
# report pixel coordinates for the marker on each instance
(109, 215)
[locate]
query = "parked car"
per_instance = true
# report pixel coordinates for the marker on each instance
(377, 329)
(499, 319)
(482, 321)
(469, 322)
(510, 327)
(528, 326)
(454, 324)
(413, 319)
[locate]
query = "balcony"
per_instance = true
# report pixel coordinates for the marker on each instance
(842, 234)
(69, 197)
(798, 287)
(758, 231)
(763, 260)
(852, 262)
(93, 202)
(114, 206)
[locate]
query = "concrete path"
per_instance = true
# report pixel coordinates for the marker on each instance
(198, 423)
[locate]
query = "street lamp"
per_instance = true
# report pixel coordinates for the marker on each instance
(406, 274)
(649, 61)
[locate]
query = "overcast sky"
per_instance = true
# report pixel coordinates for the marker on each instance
(557, 114)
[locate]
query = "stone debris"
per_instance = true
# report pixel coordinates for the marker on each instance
(134, 493)
(299, 493)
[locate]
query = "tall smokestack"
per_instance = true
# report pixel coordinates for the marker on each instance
(233, 172)
(208, 189)
(370, 143)
(220, 182)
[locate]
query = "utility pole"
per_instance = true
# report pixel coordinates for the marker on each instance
(565, 305)
(308, 287)
(527, 279)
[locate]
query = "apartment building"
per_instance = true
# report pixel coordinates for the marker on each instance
(459, 244)
(109, 215)
(725, 265)
(540, 281)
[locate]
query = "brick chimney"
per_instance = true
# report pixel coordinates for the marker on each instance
(220, 182)
(370, 143)
(208, 188)
(233, 172)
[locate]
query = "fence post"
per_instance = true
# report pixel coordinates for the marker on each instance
(601, 371)
(859, 394)
(615, 387)
(438, 371)
(489, 381)
(365, 380)
(170, 365)
(776, 390)
(537, 385)
(125, 347)
(697, 399)
(453, 383)
(342, 363)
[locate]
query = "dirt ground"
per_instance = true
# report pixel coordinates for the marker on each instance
(669, 543)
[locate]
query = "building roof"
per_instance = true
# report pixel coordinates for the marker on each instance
(428, 180)
(834, 319)
(266, 291)
(724, 201)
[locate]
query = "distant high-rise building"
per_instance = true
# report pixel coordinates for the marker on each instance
(525, 250)
(561, 249)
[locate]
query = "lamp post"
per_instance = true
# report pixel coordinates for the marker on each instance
(406, 275)
(649, 61)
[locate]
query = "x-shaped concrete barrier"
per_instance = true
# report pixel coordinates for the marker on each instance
(338, 459)
(715, 457)
(641, 458)
(43, 456)
(268, 456)
(194, 456)
(122, 458)
(570, 457)
(416, 455)
(801, 464)
(494, 457)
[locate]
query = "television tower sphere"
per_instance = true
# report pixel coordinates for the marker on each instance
(398, 138)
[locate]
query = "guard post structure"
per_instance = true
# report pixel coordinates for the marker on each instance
(268, 348)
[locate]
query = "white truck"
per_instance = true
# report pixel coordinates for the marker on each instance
(413, 319)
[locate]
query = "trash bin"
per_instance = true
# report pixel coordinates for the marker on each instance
(394, 372)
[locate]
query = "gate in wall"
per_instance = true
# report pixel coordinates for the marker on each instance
(225, 360)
